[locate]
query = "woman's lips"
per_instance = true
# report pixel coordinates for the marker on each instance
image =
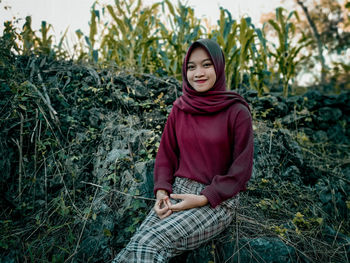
(201, 81)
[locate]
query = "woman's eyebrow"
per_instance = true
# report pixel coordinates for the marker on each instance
(201, 61)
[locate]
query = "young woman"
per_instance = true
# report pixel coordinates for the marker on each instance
(204, 160)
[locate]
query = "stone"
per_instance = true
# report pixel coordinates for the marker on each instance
(328, 114)
(247, 250)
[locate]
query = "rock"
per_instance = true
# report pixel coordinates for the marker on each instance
(341, 101)
(320, 136)
(292, 120)
(270, 107)
(295, 153)
(96, 241)
(292, 173)
(313, 99)
(336, 134)
(266, 249)
(327, 114)
(144, 172)
(255, 250)
(295, 102)
(250, 95)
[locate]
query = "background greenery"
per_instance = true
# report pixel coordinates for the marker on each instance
(79, 133)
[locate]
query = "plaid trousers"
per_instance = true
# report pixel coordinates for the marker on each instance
(158, 240)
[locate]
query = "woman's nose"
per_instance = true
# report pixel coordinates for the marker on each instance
(199, 72)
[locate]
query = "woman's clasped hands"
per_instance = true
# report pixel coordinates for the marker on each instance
(163, 206)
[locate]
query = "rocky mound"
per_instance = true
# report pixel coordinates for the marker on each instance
(77, 153)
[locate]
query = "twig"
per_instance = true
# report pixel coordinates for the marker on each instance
(119, 192)
(336, 236)
(45, 90)
(45, 179)
(20, 148)
(82, 230)
(45, 99)
(35, 134)
(270, 146)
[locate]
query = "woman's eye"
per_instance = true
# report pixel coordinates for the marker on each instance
(207, 65)
(190, 67)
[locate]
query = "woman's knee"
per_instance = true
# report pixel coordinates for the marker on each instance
(150, 237)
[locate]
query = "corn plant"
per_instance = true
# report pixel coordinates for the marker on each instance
(95, 18)
(246, 39)
(45, 42)
(28, 36)
(235, 40)
(79, 49)
(131, 34)
(8, 40)
(259, 76)
(42, 44)
(185, 28)
(226, 36)
(286, 53)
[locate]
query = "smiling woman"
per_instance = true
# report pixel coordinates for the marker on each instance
(204, 160)
(200, 70)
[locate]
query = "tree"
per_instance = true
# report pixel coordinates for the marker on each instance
(327, 21)
(317, 37)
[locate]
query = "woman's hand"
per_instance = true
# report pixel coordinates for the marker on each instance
(188, 201)
(162, 204)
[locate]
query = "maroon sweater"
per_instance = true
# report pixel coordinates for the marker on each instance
(214, 149)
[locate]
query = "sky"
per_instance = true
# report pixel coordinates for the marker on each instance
(75, 14)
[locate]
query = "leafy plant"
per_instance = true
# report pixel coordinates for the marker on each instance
(286, 53)
(245, 57)
(130, 39)
(185, 28)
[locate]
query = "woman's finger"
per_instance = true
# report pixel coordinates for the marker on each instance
(161, 207)
(177, 207)
(178, 196)
(168, 213)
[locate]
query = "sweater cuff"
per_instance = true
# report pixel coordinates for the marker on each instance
(163, 186)
(213, 198)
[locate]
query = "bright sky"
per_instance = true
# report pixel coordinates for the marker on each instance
(75, 13)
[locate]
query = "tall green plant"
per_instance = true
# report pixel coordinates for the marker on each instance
(95, 18)
(45, 42)
(246, 40)
(131, 33)
(184, 29)
(286, 53)
(259, 76)
(29, 42)
(28, 37)
(226, 36)
(236, 40)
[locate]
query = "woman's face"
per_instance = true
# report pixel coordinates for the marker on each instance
(200, 70)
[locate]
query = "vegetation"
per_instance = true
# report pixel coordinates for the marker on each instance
(79, 134)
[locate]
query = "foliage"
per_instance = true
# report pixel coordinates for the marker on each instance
(129, 39)
(154, 39)
(41, 45)
(328, 22)
(286, 53)
(332, 21)
(185, 28)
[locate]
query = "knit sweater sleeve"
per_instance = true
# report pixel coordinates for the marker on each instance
(228, 185)
(167, 157)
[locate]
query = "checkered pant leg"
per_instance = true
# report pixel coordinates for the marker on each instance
(158, 240)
